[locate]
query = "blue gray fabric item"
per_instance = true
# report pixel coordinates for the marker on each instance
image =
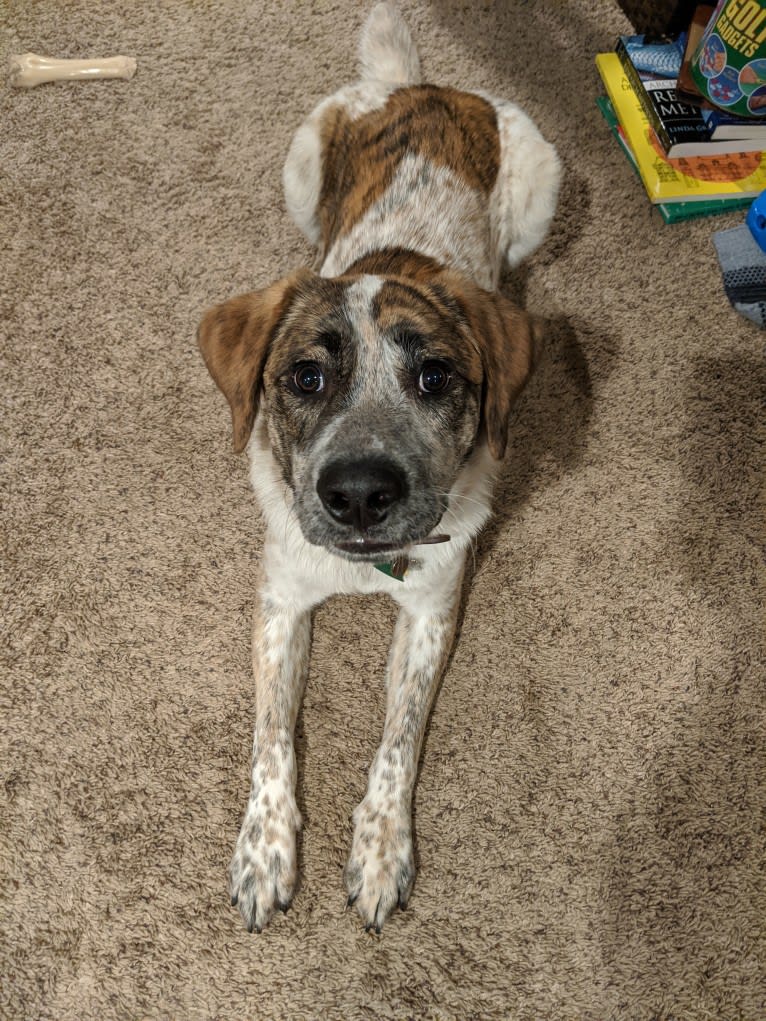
(662, 59)
(743, 265)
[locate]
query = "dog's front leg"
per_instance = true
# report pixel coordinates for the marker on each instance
(381, 869)
(263, 869)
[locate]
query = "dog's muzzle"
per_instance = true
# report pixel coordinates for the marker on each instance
(361, 494)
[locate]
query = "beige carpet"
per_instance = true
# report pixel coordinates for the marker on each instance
(590, 809)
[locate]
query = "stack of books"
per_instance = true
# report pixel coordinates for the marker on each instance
(693, 160)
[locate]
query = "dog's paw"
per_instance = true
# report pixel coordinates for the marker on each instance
(381, 867)
(263, 869)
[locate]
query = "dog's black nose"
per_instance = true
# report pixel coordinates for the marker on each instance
(360, 493)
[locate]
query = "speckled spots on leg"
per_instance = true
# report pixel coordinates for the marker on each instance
(381, 868)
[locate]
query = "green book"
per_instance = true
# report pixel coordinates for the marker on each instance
(671, 212)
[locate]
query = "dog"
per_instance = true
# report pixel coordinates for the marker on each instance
(373, 398)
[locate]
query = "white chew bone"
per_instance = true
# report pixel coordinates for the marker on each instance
(29, 69)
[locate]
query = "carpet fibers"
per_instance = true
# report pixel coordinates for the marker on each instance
(592, 793)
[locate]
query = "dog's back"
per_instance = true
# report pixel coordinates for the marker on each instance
(460, 177)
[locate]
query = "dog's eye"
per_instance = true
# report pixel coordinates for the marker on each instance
(308, 378)
(434, 378)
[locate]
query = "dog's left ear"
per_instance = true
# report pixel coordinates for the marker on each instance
(510, 342)
(234, 339)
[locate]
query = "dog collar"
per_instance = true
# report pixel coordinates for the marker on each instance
(399, 567)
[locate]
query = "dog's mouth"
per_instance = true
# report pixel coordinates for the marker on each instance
(364, 548)
(369, 548)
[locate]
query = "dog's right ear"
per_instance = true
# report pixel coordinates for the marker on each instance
(234, 339)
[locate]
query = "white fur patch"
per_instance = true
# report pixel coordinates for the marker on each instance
(524, 198)
(426, 208)
(377, 359)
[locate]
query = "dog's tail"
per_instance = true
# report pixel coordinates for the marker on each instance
(386, 50)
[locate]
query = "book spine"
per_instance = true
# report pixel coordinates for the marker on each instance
(643, 96)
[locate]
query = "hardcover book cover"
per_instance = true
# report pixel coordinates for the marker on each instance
(682, 128)
(686, 179)
(671, 212)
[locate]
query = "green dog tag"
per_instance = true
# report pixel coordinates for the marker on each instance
(397, 569)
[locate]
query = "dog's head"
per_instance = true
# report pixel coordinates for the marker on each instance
(374, 389)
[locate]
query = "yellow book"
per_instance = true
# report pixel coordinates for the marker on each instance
(679, 180)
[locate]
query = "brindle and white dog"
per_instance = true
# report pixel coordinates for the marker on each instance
(374, 401)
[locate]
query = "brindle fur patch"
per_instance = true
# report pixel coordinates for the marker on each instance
(452, 129)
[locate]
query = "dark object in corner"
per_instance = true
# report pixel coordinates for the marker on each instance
(656, 18)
